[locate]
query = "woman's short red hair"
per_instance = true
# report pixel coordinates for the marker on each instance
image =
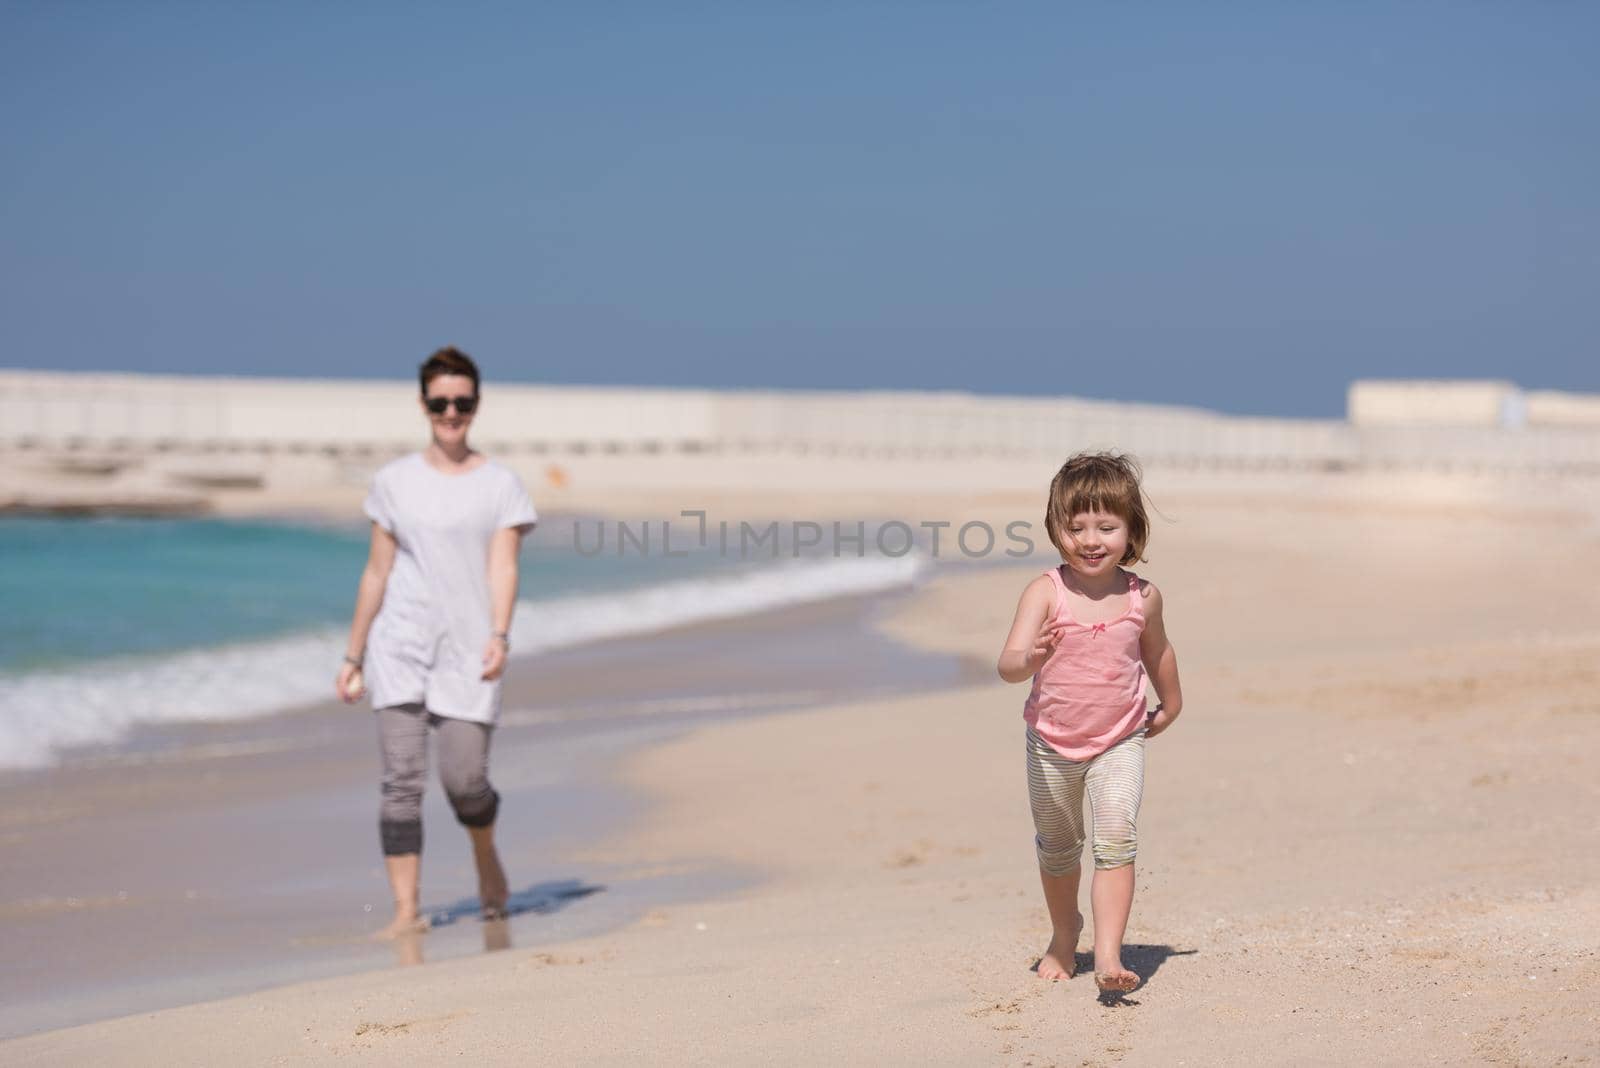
(448, 361)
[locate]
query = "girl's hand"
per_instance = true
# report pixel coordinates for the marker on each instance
(494, 659)
(350, 686)
(1032, 637)
(1160, 719)
(1044, 643)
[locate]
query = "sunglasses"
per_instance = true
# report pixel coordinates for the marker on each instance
(438, 405)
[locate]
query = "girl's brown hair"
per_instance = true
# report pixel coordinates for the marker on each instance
(1098, 482)
(448, 361)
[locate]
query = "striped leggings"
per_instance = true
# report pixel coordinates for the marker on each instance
(1056, 785)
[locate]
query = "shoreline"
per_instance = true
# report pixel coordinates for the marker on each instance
(558, 737)
(227, 657)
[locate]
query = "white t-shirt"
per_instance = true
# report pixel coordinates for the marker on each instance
(427, 642)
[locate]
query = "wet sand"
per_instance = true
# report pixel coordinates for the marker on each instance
(208, 859)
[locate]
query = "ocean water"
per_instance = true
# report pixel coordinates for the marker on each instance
(82, 590)
(106, 624)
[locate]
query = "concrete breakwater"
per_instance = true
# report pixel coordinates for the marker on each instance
(124, 442)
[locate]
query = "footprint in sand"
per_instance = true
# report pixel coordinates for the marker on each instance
(367, 1028)
(1000, 1008)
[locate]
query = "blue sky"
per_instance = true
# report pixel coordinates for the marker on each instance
(1236, 206)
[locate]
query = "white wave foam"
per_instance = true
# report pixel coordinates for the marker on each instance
(43, 713)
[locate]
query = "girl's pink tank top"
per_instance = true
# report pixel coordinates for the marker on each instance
(1089, 695)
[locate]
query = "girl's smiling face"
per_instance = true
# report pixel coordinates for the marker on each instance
(1097, 541)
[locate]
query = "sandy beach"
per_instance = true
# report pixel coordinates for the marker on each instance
(1370, 839)
(512, 519)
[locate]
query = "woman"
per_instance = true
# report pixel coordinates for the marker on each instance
(432, 629)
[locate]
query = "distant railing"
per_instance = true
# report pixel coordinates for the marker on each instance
(139, 413)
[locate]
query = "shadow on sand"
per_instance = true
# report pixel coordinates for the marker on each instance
(1143, 960)
(541, 898)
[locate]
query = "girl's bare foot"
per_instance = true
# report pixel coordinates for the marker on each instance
(1114, 979)
(1060, 960)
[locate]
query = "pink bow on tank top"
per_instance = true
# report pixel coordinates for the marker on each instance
(1089, 695)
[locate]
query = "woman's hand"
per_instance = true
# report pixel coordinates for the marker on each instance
(494, 659)
(369, 598)
(350, 686)
(1160, 719)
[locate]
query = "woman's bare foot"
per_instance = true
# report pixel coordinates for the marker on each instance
(1060, 960)
(492, 888)
(1114, 978)
(408, 923)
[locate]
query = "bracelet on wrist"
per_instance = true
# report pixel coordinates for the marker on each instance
(354, 661)
(503, 637)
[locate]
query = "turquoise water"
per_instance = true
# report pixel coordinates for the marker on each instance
(73, 590)
(107, 625)
(78, 590)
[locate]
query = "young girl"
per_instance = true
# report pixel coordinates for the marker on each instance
(1091, 636)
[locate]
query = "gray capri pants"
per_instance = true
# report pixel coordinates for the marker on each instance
(1114, 781)
(463, 769)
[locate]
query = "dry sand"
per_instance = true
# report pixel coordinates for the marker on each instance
(1372, 838)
